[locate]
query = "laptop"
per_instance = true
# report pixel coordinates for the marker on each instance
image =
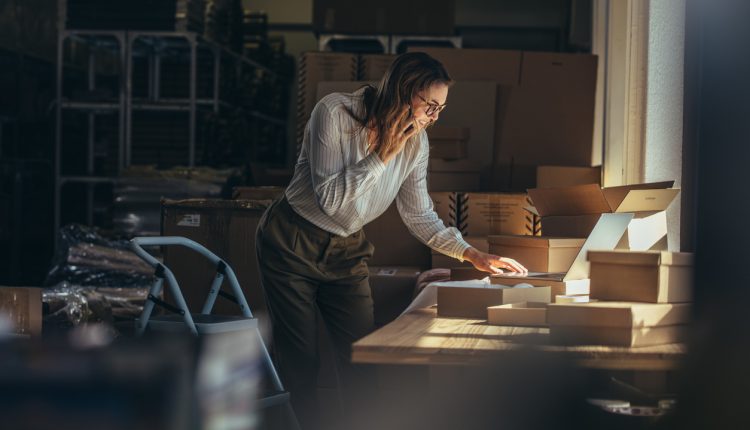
(605, 236)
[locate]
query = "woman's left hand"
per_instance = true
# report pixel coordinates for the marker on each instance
(492, 263)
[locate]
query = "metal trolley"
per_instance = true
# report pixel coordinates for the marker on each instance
(204, 323)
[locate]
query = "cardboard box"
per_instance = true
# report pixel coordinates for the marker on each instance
(654, 277)
(483, 214)
(453, 181)
(314, 67)
(524, 314)
(22, 308)
(572, 211)
(549, 116)
(394, 244)
(448, 142)
(619, 336)
(619, 314)
(618, 323)
(573, 287)
(392, 290)
(544, 113)
(443, 261)
(572, 299)
(329, 87)
(227, 228)
(372, 67)
(565, 176)
(606, 234)
(537, 254)
(384, 17)
(472, 302)
(257, 193)
(470, 105)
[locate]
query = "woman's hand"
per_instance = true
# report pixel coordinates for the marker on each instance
(398, 135)
(492, 263)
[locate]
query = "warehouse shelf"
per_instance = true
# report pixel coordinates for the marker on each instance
(145, 51)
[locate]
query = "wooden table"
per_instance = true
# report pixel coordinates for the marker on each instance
(420, 337)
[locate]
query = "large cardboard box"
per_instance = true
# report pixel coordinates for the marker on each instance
(573, 211)
(550, 113)
(537, 254)
(227, 228)
(472, 302)
(544, 108)
(483, 214)
(372, 67)
(392, 290)
(618, 323)
(532, 314)
(453, 181)
(565, 176)
(384, 17)
(22, 308)
(470, 105)
(314, 67)
(448, 142)
(394, 244)
(654, 277)
(443, 261)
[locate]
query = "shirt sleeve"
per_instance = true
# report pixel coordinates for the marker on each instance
(418, 213)
(335, 184)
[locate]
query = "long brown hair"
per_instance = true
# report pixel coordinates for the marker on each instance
(409, 74)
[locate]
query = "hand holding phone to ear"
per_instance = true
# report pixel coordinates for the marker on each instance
(398, 135)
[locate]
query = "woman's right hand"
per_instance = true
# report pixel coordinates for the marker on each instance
(398, 135)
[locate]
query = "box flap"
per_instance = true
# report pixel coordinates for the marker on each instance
(647, 200)
(447, 132)
(536, 241)
(574, 200)
(616, 195)
(643, 258)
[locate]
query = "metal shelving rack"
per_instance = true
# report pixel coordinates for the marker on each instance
(125, 103)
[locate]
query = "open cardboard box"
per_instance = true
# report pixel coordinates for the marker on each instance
(605, 236)
(524, 314)
(573, 211)
(472, 302)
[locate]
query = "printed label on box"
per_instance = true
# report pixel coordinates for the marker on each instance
(387, 272)
(190, 220)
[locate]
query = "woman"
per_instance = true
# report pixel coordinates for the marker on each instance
(360, 152)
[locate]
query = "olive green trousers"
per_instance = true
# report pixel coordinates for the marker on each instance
(305, 272)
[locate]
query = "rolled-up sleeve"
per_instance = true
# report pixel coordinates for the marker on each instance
(418, 213)
(335, 184)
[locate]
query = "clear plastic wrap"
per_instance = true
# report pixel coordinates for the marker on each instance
(85, 258)
(69, 305)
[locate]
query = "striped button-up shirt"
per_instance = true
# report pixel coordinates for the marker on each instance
(339, 186)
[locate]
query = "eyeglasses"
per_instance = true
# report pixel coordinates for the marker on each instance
(432, 107)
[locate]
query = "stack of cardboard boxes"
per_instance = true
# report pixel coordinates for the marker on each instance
(639, 293)
(643, 298)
